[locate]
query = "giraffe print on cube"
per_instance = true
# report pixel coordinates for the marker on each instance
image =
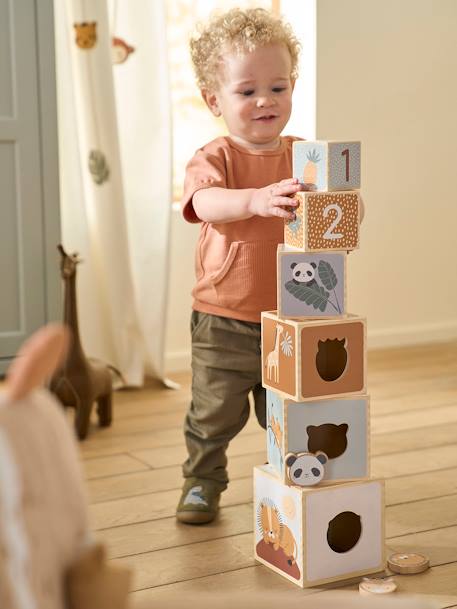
(278, 350)
(273, 357)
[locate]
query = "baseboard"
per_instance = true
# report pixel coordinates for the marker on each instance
(177, 361)
(403, 336)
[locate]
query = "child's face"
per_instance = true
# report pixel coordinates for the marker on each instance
(254, 96)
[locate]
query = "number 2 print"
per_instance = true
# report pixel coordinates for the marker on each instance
(332, 221)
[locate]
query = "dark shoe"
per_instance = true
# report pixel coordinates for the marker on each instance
(199, 501)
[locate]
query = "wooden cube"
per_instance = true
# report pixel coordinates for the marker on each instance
(311, 284)
(327, 166)
(339, 428)
(318, 534)
(324, 221)
(304, 360)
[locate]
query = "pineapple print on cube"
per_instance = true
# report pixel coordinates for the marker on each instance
(318, 534)
(324, 221)
(305, 360)
(310, 284)
(327, 166)
(339, 428)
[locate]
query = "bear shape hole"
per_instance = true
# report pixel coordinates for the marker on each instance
(331, 358)
(329, 438)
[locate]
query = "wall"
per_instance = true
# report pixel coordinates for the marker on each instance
(385, 75)
(183, 240)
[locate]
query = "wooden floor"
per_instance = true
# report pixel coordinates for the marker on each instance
(134, 479)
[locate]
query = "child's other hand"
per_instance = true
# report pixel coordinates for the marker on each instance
(362, 212)
(272, 200)
(362, 209)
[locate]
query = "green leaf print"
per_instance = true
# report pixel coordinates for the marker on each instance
(327, 275)
(314, 295)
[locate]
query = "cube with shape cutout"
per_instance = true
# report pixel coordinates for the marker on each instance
(327, 166)
(311, 284)
(324, 221)
(320, 534)
(339, 428)
(305, 360)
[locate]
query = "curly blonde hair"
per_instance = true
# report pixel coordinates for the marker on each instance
(241, 31)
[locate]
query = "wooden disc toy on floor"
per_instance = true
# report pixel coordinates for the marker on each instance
(408, 563)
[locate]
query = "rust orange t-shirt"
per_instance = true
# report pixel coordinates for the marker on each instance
(236, 262)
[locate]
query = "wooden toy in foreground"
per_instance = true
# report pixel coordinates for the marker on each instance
(79, 382)
(338, 428)
(311, 284)
(48, 558)
(318, 534)
(304, 360)
(327, 166)
(324, 221)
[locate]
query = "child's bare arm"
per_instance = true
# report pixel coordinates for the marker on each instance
(221, 205)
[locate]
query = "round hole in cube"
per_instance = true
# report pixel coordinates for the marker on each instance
(344, 531)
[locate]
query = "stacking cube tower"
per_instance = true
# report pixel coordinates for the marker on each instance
(319, 517)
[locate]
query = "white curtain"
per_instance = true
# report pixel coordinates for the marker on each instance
(115, 171)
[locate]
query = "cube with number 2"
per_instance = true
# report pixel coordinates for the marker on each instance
(324, 221)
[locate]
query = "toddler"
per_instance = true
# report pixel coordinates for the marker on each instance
(238, 187)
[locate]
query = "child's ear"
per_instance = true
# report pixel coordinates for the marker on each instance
(210, 98)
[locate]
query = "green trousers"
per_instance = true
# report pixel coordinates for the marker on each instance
(226, 367)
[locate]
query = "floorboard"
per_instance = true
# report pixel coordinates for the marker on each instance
(133, 472)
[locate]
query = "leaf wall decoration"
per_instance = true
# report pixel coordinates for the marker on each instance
(327, 274)
(98, 166)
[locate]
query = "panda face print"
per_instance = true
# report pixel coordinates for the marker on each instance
(303, 272)
(306, 469)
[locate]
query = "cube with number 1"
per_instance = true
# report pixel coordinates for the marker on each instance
(327, 166)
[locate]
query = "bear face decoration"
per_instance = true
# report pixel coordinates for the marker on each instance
(86, 34)
(303, 273)
(305, 469)
(328, 438)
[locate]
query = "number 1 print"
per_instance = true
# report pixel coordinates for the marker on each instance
(346, 154)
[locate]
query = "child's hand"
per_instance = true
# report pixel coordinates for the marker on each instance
(362, 212)
(362, 209)
(273, 199)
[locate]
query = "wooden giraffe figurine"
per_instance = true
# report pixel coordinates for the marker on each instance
(79, 382)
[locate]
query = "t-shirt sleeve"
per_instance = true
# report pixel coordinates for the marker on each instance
(205, 170)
